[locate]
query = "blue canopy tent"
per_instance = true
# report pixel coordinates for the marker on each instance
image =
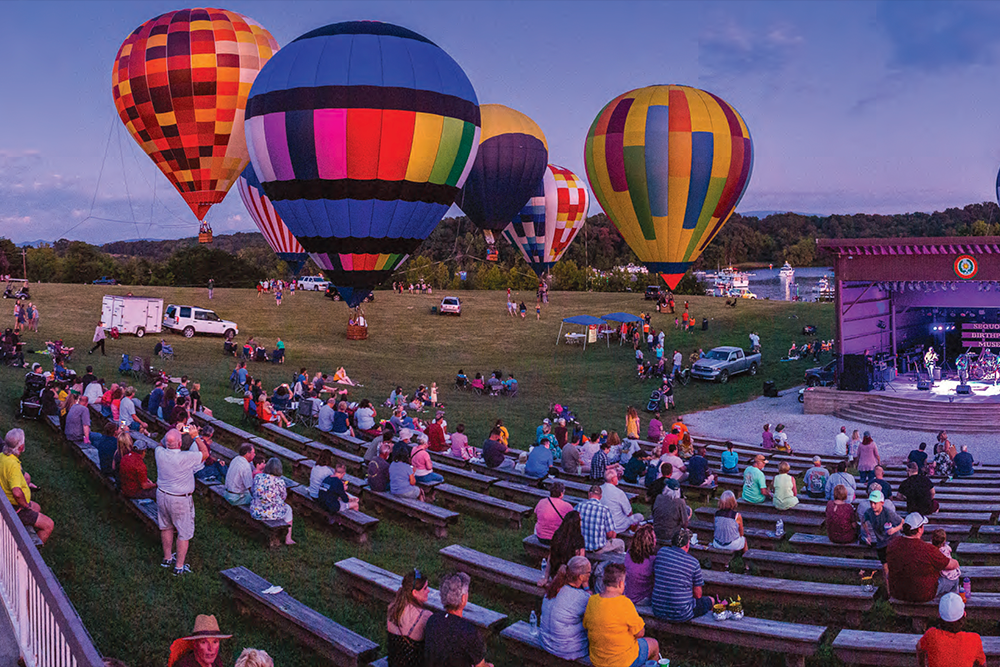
(584, 321)
(621, 318)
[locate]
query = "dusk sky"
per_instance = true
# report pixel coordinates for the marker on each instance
(880, 107)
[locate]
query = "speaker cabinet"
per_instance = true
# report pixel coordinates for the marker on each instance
(855, 375)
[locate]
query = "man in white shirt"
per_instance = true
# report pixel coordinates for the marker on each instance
(174, 490)
(678, 360)
(325, 420)
(840, 442)
(94, 392)
(239, 476)
(615, 500)
(680, 470)
(126, 412)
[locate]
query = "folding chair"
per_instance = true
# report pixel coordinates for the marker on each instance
(306, 414)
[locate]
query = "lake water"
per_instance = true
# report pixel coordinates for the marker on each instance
(766, 283)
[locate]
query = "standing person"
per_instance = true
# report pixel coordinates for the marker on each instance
(524, 310)
(175, 487)
(407, 620)
(538, 309)
(614, 628)
(878, 526)
(211, 287)
(854, 445)
(277, 296)
(868, 458)
(678, 360)
(948, 645)
(841, 442)
(17, 485)
(449, 639)
(99, 337)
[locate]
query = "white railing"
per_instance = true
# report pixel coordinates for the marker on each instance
(49, 631)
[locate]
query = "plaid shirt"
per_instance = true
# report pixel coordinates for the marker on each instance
(598, 464)
(595, 522)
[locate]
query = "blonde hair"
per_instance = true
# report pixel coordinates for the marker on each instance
(727, 501)
(254, 657)
(783, 467)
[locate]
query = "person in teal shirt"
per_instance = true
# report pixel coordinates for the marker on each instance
(730, 461)
(754, 483)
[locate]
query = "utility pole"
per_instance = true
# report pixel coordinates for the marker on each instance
(24, 262)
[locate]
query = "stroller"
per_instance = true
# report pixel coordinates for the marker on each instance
(30, 405)
(655, 400)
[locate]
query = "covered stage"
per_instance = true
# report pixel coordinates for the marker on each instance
(896, 298)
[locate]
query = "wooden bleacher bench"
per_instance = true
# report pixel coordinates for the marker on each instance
(370, 582)
(337, 644)
(526, 645)
(273, 530)
(505, 474)
(820, 545)
(358, 524)
(437, 518)
(484, 505)
(496, 571)
(793, 522)
(469, 479)
(979, 607)
(890, 649)
(989, 533)
(270, 448)
(759, 538)
(285, 434)
(528, 495)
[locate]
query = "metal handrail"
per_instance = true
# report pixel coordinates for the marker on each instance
(49, 631)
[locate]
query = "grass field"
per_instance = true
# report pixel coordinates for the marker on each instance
(109, 564)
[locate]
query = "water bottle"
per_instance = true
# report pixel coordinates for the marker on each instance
(779, 528)
(545, 566)
(966, 587)
(533, 621)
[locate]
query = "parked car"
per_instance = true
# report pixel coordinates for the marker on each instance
(822, 375)
(190, 320)
(451, 305)
(105, 280)
(654, 292)
(720, 363)
(313, 283)
(332, 293)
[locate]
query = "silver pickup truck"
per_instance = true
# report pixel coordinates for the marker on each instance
(722, 362)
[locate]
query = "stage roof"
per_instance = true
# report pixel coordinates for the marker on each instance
(940, 245)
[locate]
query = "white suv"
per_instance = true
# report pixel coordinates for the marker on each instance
(313, 283)
(190, 320)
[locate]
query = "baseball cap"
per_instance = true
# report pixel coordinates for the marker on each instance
(914, 520)
(876, 497)
(951, 608)
(546, 421)
(603, 432)
(817, 459)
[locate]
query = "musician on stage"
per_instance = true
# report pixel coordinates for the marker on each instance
(988, 362)
(930, 361)
(962, 364)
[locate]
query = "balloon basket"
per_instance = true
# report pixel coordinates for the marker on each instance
(357, 332)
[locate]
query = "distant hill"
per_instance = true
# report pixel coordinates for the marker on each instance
(161, 250)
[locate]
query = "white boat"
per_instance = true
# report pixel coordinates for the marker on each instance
(729, 279)
(824, 289)
(786, 272)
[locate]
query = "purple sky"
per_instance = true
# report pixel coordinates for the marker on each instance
(879, 107)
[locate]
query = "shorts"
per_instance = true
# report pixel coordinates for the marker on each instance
(643, 653)
(411, 492)
(28, 516)
(175, 513)
(881, 551)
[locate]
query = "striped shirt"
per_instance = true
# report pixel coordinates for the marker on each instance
(675, 575)
(598, 464)
(595, 523)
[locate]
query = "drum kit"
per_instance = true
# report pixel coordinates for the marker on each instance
(973, 366)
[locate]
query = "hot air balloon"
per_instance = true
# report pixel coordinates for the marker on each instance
(277, 235)
(550, 220)
(512, 157)
(362, 134)
(668, 165)
(180, 84)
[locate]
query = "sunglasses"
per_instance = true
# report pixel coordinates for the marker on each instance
(418, 578)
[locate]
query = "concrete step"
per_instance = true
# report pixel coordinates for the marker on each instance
(928, 423)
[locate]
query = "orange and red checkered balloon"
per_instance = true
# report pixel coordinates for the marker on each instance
(180, 84)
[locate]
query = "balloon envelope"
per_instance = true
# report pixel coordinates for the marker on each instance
(180, 83)
(512, 157)
(668, 165)
(277, 235)
(362, 134)
(551, 219)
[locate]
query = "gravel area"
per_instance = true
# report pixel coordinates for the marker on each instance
(815, 433)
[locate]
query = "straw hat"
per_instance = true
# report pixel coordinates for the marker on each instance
(205, 627)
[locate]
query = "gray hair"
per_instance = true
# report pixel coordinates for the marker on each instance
(610, 474)
(173, 439)
(252, 657)
(965, 448)
(13, 441)
(273, 467)
(453, 587)
(130, 391)
(206, 431)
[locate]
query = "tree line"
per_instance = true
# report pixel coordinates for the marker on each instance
(454, 256)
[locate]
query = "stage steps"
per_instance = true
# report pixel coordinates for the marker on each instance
(922, 415)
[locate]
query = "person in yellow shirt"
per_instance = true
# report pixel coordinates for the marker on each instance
(17, 486)
(614, 628)
(504, 433)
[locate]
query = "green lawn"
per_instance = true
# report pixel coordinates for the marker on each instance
(109, 564)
